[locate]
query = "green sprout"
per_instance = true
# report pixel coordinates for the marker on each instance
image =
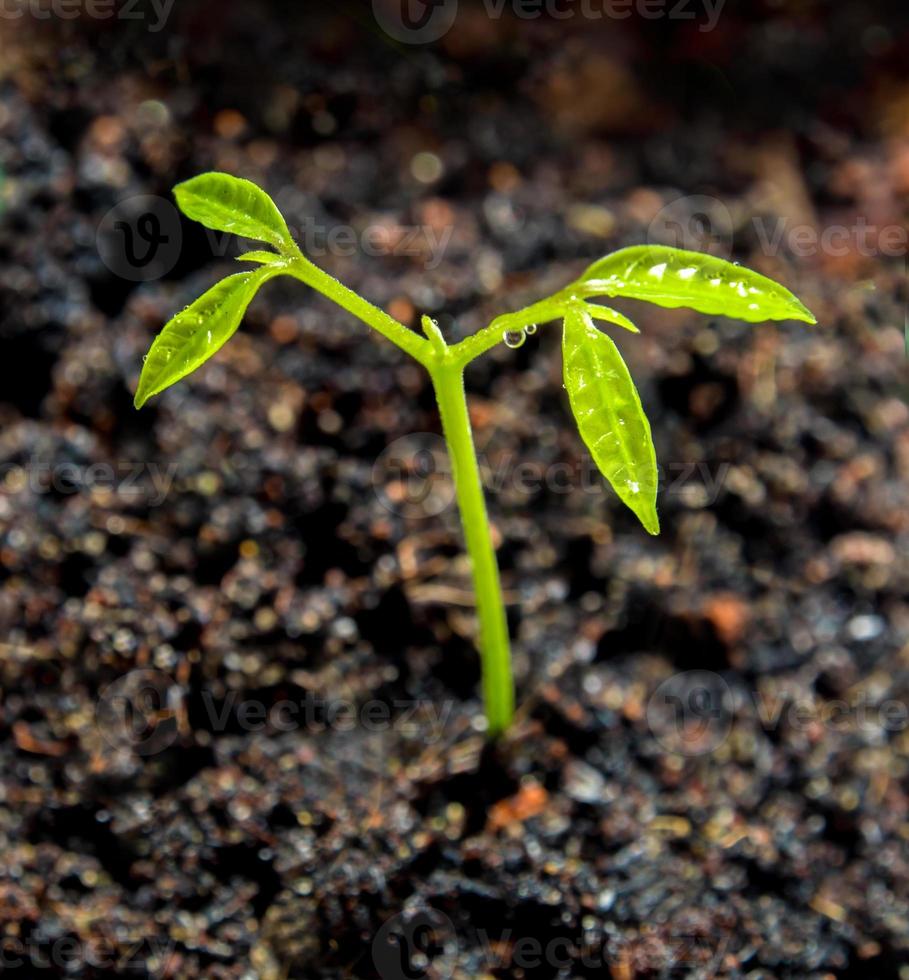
(603, 398)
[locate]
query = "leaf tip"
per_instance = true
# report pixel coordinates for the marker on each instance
(650, 519)
(806, 315)
(264, 257)
(795, 309)
(143, 392)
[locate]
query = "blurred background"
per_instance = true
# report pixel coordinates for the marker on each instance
(240, 728)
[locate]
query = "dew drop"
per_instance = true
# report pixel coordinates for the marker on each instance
(514, 338)
(530, 329)
(144, 358)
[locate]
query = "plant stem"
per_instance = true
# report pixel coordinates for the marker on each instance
(412, 343)
(472, 347)
(446, 367)
(495, 652)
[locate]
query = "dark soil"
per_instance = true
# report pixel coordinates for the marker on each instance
(240, 733)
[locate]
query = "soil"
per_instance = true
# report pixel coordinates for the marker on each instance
(240, 727)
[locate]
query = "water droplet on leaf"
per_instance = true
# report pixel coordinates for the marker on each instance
(514, 338)
(531, 329)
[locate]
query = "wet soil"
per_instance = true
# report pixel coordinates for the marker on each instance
(240, 733)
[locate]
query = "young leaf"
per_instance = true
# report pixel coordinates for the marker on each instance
(226, 203)
(674, 277)
(266, 258)
(608, 411)
(609, 315)
(197, 333)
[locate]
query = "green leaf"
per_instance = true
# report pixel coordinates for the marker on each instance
(266, 258)
(609, 315)
(197, 333)
(674, 277)
(608, 411)
(226, 203)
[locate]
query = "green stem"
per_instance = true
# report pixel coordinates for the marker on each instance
(495, 652)
(304, 270)
(472, 347)
(446, 367)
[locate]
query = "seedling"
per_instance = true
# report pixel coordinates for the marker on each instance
(603, 398)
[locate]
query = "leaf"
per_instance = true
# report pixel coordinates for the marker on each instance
(674, 277)
(266, 258)
(197, 333)
(608, 411)
(227, 203)
(609, 315)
